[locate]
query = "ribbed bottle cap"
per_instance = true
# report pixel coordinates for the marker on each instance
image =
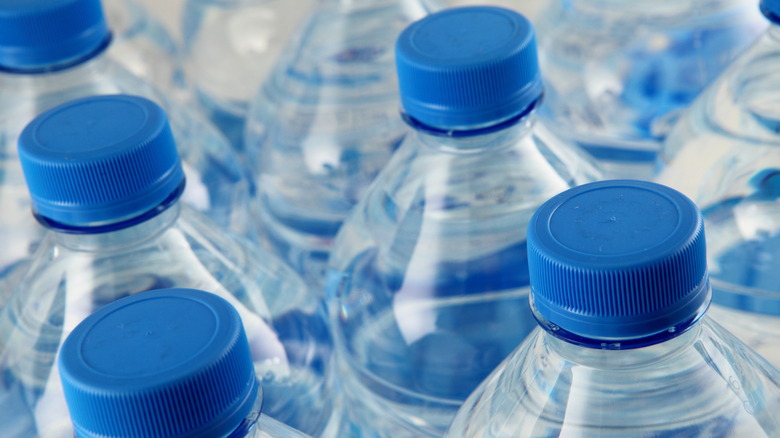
(618, 260)
(468, 66)
(771, 10)
(99, 159)
(36, 33)
(164, 363)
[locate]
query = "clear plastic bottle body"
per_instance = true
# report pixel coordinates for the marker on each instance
(255, 425)
(324, 124)
(428, 282)
(217, 182)
(230, 48)
(74, 274)
(701, 383)
(267, 427)
(143, 46)
(725, 154)
(619, 73)
(529, 8)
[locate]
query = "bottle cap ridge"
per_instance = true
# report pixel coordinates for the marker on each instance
(41, 33)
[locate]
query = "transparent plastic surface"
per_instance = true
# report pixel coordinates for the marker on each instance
(142, 45)
(74, 274)
(216, 180)
(619, 73)
(725, 154)
(428, 283)
(258, 425)
(255, 425)
(702, 383)
(529, 8)
(324, 123)
(760, 332)
(267, 427)
(231, 45)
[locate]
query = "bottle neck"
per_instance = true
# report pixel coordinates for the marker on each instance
(122, 234)
(612, 359)
(473, 139)
(53, 83)
(249, 426)
(60, 65)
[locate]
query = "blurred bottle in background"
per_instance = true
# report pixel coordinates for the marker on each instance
(230, 46)
(56, 50)
(428, 282)
(106, 182)
(168, 13)
(619, 73)
(144, 46)
(324, 123)
(625, 346)
(725, 154)
(165, 363)
(529, 8)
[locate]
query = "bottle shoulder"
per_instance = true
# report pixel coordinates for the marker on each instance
(174, 250)
(446, 188)
(728, 129)
(707, 383)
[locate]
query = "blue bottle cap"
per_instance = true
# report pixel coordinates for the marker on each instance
(771, 10)
(99, 159)
(618, 260)
(38, 33)
(468, 66)
(164, 363)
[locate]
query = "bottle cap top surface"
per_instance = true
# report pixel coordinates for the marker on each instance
(468, 66)
(100, 159)
(618, 260)
(168, 363)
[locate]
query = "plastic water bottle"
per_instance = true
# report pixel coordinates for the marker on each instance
(624, 346)
(324, 123)
(52, 51)
(725, 154)
(529, 8)
(165, 363)
(428, 285)
(231, 45)
(619, 73)
(106, 180)
(143, 45)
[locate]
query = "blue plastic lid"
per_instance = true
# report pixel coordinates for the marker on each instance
(618, 260)
(100, 159)
(164, 363)
(36, 33)
(468, 66)
(771, 10)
